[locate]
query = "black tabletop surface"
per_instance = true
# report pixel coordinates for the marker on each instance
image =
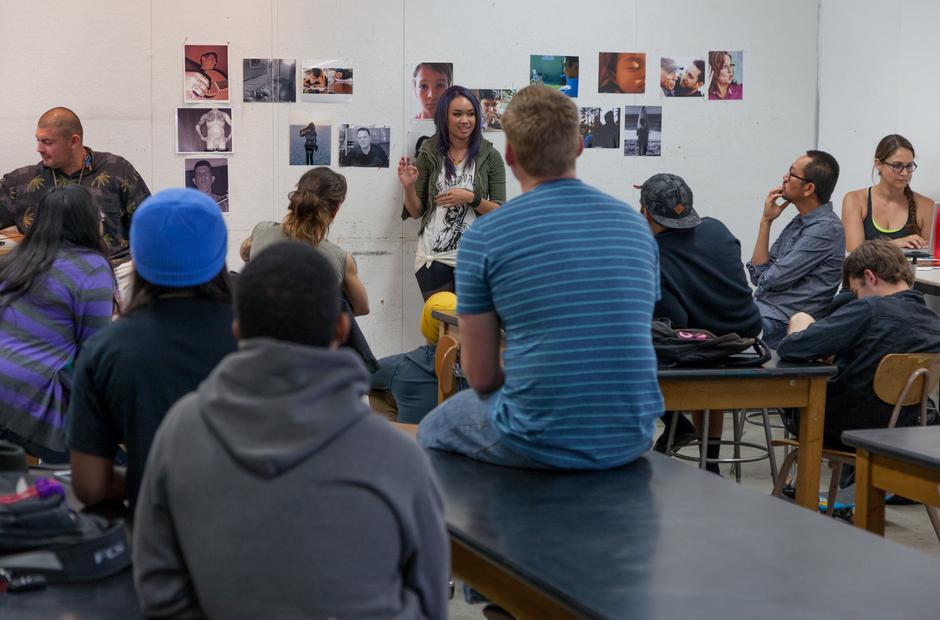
(914, 444)
(107, 599)
(658, 539)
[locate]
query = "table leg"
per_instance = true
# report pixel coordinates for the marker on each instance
(869, 501)
(810, 453)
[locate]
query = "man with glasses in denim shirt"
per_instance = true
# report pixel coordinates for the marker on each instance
(802, 270)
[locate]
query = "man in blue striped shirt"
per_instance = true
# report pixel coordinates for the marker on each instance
(572, 275)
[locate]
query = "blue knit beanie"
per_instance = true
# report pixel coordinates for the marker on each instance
(178, 238)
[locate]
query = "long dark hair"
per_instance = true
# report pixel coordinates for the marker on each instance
(65, 216)
(443, 137)
(144, 292)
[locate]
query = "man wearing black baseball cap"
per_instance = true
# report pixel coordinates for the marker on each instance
(703, 281)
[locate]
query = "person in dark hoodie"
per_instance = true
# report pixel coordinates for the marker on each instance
(272, 491)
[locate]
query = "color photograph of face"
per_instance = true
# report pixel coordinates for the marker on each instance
(429, 81)
(621, 72)
(725, 76)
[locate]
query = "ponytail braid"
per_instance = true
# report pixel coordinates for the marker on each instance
(913, 226)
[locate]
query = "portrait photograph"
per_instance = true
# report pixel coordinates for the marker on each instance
(621, 72)
(642, 130)
(205, 73)
(269, 80)
(682, 77)
(326, 81)
(364, 146)
(600, 128)
(559, 72)
(310, 143)
(725, 76)
(493, 102)
(429, 80)
(210, 176)
(204, 130)
(414, 139)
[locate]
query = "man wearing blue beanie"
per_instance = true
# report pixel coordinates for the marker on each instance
(175, 329)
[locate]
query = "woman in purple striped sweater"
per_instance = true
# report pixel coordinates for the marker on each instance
(56, 290)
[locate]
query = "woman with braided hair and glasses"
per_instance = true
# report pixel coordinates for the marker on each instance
(890, 208)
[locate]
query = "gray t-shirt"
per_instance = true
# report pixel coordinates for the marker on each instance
(269, 233)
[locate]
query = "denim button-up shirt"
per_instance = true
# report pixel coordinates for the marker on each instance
(805, 266)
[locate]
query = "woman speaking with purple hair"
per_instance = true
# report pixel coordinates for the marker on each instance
(456, 177)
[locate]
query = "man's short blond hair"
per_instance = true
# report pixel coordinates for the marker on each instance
(542, 127)
(63, 120)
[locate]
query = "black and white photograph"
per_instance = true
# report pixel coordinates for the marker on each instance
(600, 128)
(364, 146)
(642, 130)
(269, 80)
(326, 81)
(205, 73)
(210, 176)
(310, 142)
(204, 130)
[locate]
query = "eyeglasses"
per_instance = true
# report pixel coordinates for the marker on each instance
(790, 173)
(898, 166)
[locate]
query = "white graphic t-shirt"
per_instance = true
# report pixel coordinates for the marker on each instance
(440, 238)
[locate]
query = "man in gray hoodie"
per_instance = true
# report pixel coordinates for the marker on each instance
(272, 491)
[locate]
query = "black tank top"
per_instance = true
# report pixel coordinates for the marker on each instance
(873, 233)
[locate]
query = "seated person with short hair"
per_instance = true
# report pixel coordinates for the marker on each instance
(405, 385)
(272, 491)
(572, 274)
(702, 278)
(800, 272)
(887, 317)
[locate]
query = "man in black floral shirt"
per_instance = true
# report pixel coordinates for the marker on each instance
(115, 185)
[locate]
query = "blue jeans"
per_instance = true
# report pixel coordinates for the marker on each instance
(462, 424)
(774, 331)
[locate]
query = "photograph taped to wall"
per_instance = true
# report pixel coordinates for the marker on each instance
(559, 72)
(326, 81)
(364, 146)
(204, 130)
(310, 143)
(414, 140)
(600, 127)
(429, 80)
(642, 130)
(269, 80)
(725, 75)
(621, 72)
(205, 73)
(682, 76)
(493, 103)
(209, 176)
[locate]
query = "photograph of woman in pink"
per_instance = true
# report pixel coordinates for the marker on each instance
(723, 85)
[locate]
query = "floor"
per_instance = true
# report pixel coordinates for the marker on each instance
(906, 525)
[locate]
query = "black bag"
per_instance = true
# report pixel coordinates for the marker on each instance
(700, 347)
(43, 536)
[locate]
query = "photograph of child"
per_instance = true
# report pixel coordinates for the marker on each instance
(310, 143)
(643, 130)
(682, 77)
(600, 128)
(429, 80)
(559, 72)
(493, 103)
(205, 73)
(204, 130)
(209, 176)
(725, 76)
(621, 72)
(326, 81)
(364, 146)
(269, 80)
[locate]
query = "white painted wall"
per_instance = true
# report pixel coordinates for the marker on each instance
(876, 78)
(118, 65)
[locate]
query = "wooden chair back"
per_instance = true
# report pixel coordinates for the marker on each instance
(904, 379)
(445, 357)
